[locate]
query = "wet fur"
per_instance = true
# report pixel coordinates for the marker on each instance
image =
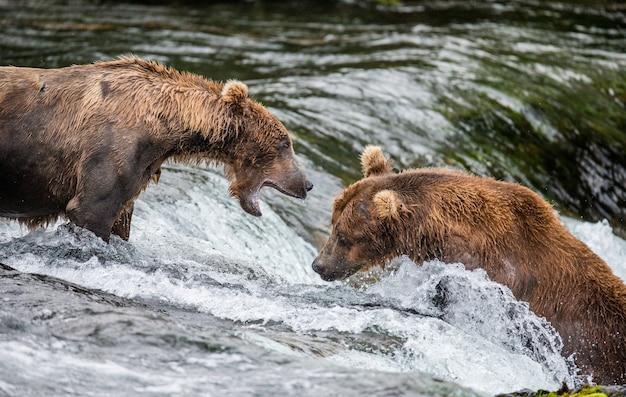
(69, 131)
(503, 228)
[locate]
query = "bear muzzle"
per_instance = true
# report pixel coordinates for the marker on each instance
(319, 269)
(297, 191)
(294, 187)
(334, 271)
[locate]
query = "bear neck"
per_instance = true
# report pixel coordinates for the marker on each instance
(196, 148)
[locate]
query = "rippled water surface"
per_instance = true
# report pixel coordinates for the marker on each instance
(206, 300)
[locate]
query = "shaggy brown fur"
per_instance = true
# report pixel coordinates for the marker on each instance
(504, 228)
(84, 141)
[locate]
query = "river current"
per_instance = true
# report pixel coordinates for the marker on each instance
(206, 300)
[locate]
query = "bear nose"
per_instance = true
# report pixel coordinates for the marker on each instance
(317, 267)
(308, 186)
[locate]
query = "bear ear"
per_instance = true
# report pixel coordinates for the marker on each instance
(388, 204)
(374, 162)
(234, 92)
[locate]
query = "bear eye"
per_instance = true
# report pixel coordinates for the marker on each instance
(342, 239)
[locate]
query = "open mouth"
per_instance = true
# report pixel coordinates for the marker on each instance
(250, 203)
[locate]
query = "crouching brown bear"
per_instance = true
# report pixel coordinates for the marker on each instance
(504, 228)
(85, 140)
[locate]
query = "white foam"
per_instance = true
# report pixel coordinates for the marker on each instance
(199, 224)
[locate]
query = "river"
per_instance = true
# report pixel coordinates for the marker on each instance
(207, 300)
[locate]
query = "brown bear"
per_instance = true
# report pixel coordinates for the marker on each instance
(501, 227)
(84, 141)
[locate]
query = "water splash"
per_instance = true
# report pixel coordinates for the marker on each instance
(470, 302)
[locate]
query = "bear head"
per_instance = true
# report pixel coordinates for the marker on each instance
(367, 219)
(425, 214)
(258, 152)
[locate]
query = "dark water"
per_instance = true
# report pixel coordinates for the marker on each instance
(202, 295)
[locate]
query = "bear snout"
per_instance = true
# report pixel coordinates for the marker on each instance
(328, 272)
(319, 269)
(308, 185)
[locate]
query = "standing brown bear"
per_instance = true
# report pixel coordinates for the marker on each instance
(504, 228)
(84, 141)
